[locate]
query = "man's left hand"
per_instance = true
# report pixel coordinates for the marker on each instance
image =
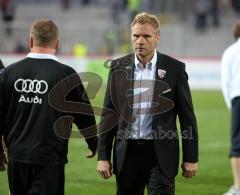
(189, 169)
(91, 154)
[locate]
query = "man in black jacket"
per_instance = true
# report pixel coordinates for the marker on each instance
(3, 159)
(147, 91)
(1, 66)
(35, 115)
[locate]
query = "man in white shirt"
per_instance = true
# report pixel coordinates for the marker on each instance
(231, 90)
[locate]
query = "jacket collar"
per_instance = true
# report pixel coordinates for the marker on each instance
(42, 56)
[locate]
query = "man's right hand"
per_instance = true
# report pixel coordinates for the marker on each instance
(3, 162)
(104, 168)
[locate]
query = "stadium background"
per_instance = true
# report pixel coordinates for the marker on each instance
(96, 30)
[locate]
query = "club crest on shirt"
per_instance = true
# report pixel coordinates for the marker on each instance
(161, 73)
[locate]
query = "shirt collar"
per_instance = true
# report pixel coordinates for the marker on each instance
(42, 56)
(151, 64)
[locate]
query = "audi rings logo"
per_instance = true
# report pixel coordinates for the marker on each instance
(31, 86)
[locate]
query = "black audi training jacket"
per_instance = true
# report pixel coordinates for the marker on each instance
(36, 131)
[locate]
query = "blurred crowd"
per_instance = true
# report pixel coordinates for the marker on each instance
(205, 13)
(7, 9)
(210, 8)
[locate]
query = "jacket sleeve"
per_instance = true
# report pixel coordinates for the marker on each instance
(2, 114)
(187, 118)
(107, 132)
(85, 122)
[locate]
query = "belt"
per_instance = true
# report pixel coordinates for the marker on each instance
(140, 141)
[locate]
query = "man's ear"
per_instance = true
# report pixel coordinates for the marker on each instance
(58, 44)
(158, 38)
(30, 42)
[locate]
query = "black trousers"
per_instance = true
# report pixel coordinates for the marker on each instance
(235, 128)
(140, 170)
(29, 179)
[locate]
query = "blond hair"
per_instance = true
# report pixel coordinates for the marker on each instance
(236, 30)
(44, 33)
(145, 18)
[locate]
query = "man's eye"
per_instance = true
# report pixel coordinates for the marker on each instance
(147, 36)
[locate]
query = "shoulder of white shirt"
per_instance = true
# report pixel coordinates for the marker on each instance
(233, 46)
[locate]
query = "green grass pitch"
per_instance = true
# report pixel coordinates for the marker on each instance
(214, 174)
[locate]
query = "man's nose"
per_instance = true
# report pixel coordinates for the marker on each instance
(140, 40)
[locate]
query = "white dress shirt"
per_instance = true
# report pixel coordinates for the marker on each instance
(230, 72)
(141, 128)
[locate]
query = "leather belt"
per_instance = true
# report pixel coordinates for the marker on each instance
(140, 141)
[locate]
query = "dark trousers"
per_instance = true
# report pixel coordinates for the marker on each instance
(141, 169)
(235, 128)
(28, 179)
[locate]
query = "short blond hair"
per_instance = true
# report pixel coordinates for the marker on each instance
(45, 33)
(145, 18)
(236, 30)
